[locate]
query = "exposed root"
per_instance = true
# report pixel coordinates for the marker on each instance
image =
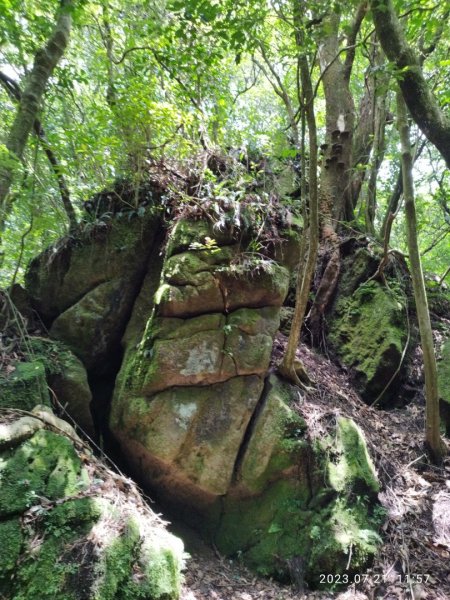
(296, 374)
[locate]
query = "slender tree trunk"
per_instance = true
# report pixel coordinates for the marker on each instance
(432, 426)
(423, 106)
(45, 62)
(377, 158)
(15, 93)
(289, 367)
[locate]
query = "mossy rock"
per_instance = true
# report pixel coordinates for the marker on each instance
(92, 327)
(24, 387)
(353, 466)
(11, 540)
(438, 298)
(187, 232)
(186, 434)
(367, 331)
(46, 465)
(56, 544)
(277, 447)
(297, 503)
(60, 276)
(202, 350)
(443, 367)
(73, 392)
(199, 282)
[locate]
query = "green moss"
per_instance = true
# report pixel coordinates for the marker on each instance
(42, 576)
(50, 569)
(25, 387)
(267, 529)
(160, 562)
(54, 355)
(114, 570)
(343, 538)
(354, 465)
(185, 233)
(367, 331)
(278, 441)
(46, 465)
(11, 540)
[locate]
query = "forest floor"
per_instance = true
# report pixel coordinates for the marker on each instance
(414, 560)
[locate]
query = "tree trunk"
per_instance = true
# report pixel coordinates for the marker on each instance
(422, 104)
(378, 150)
(289, 367)
(432, 434)
(335, 183)
(15, 93)
(45, 62)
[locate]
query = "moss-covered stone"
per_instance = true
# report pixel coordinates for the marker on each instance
(187, 232)
(277, 448)
(203, 350)
(46, 465)
(193, 284)
(298, 503)
(443, 367)
(267, 529)
(368, 332)
(353, 465)
(24, 387)
(73, 392)
(191, 434)
(103, 546)
(59, 277)
(11, 539)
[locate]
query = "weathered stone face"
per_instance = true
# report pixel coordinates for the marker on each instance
(195, 432)
(198, 418)
(186, 394)
(367, 328)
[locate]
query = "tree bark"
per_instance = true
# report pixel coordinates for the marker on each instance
(335, 202)
(289, 367)
(15, 93)
(422, 104)
(432, 426)
(45, 62)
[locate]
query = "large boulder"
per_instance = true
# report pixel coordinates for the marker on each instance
(68, 532)
(195, 413)
(24, 385)
(187, 390)
(84, 289)
(201, 424)
(293, 510)
(48, 370)
(367, 327)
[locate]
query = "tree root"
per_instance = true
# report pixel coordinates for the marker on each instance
(296, 374)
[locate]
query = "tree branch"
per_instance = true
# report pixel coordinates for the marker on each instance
(13, 89)
(421, 103)
(351, 39)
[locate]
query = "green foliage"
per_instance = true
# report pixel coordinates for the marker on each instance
(143, 82)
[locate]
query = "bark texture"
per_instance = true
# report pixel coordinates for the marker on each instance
(421, 103)
(432, 434)
(290, 368)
